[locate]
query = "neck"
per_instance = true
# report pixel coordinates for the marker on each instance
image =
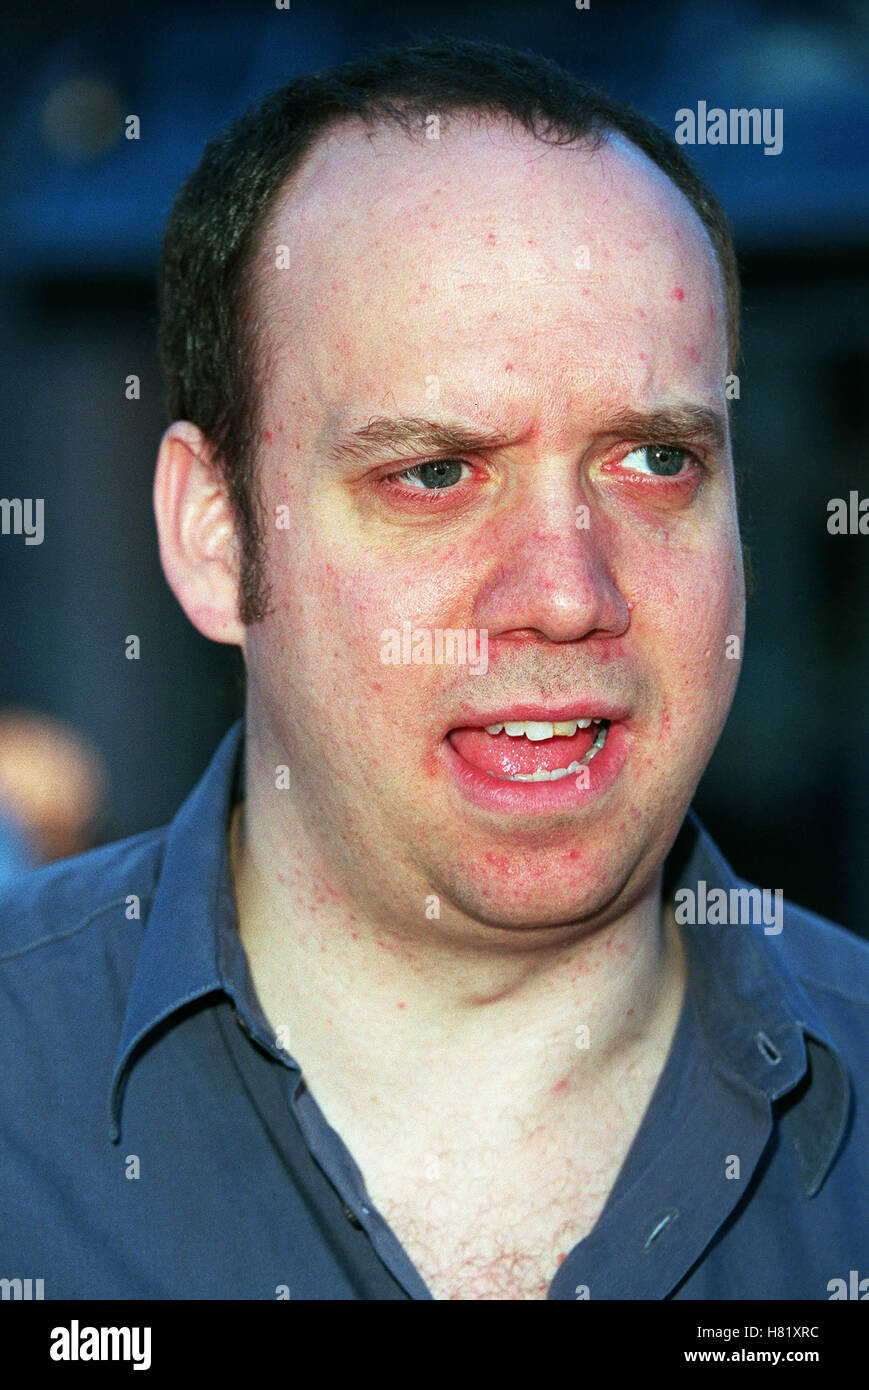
(421, 1008)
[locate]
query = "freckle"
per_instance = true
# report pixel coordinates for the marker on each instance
(678, 292)
(355, 935)
(630, 1012)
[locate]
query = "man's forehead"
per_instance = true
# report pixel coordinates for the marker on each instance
(366, 183)
(397, 256)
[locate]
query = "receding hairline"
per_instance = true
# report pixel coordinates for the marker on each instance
(596, 141)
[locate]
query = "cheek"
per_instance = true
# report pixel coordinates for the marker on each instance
(688, 616)
(683, 618)
(337, 601)
(363, 582)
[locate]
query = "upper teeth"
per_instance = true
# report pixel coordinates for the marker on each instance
(536, 729)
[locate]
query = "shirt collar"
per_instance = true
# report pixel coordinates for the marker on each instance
(179, 956)
(760, 1029)
(755, 1020)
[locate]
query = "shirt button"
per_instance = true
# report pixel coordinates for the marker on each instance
(351, 1217)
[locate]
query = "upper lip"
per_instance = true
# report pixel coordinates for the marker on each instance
(578, 707)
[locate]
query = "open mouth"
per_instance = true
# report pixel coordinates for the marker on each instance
(532, 750)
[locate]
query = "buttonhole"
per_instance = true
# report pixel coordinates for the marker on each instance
(769, 1049)
(666, 1220)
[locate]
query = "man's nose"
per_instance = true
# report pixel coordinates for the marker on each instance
(551, 572)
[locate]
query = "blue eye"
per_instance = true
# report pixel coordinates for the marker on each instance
(443, 473)
(661, 460)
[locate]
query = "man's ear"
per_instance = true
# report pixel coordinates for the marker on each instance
(199, 547)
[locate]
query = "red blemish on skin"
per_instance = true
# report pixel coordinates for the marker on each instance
(562, 1257)
(401, 1005)
(642, 357)
(355, 935)
(375, 685)
(693, 355)
(508, 366)
(268, 436)
(678, 292)
(491, 238)
(560, 1085)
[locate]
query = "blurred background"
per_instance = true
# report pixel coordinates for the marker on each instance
(121, 741)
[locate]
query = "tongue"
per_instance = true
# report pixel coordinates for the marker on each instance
(507, 757)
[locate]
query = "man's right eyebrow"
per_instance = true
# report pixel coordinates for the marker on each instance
(410, 435)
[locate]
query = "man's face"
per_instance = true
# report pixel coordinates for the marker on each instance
(543, 298)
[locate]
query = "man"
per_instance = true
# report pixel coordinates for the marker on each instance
(406, 1002)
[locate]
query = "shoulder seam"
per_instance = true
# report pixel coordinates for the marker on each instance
(811, 982)
(79, 926)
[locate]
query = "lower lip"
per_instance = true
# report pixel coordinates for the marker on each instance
(535, 798)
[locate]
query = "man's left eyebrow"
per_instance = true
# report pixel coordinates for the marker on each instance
(410, 434)
(683, 424)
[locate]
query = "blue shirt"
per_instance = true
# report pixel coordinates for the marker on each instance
(155, 1142)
